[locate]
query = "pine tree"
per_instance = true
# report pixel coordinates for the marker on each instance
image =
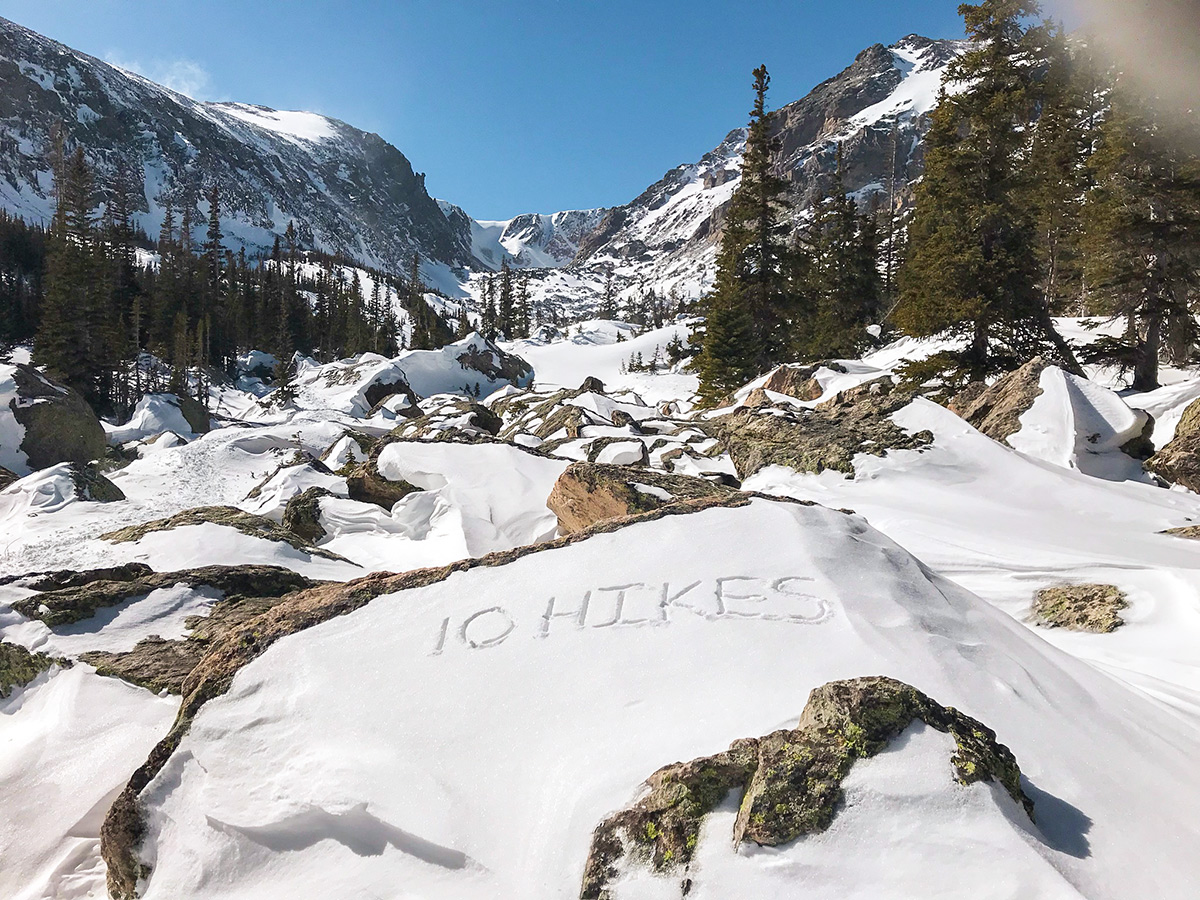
(63, 344)
(746, 327)
(971, 269)
(505, 307)
(608, 305)
(1143, 236)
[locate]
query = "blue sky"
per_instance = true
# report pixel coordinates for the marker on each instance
(508, 107)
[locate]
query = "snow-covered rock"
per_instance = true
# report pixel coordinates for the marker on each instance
(43, 423)
(486, 774)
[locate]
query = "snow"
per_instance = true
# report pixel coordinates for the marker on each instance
(1078, 424)
(526, 717)
(622, 453)
(295, 125)
(499, 491)
(67, 745)
(12, 432)
(1004, 525)
(153, 415)
(917, 93)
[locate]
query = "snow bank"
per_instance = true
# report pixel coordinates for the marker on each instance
(536, 697)
(67, 745)
(153, 415)
(12, 432)
(1078, 424)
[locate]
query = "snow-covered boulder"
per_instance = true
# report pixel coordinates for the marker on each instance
(43, 423)
(471, 367)
(1078, 424)
(462, 731)
(52, 489)
(157, 414)
(353, 386)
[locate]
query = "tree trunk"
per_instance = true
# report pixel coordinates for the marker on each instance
(1145, 372)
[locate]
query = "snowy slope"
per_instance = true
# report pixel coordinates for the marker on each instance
(524, 721)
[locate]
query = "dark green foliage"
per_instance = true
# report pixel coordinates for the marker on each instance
(1143, 237)
(971, 269)
(746, 328)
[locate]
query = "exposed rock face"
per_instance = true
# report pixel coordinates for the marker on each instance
(587, 493)
(1179, 461)
(154, 663)
(302, 515)
(497, 365)
(798, 381)
(195, 414)
(451, 418)
(813, 440)
(90, 484)
(59, 425)
(229, 516)
(791, 780)
(68, 597)
(996, 410)
(366, 485)
(1081, 607)
(18, 667)
(7, 477)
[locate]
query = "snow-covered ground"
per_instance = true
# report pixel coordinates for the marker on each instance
(463, 738)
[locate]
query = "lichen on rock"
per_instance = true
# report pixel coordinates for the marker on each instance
(228, 516)
(18, 667)
(1179, 461)
(587, 493)
(302, 515)
(828, 436)
(1081, 607)
(790, 780)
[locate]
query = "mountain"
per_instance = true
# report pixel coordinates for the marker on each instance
(528, 241)
(348, 191)
(666, 238)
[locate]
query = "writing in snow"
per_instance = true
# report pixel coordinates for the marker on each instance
(639, 605)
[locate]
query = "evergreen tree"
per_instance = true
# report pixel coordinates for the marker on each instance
(505, 308)
(971, 269)
(608, 305)
(1143, 236)
(748, 309)
(63, 343)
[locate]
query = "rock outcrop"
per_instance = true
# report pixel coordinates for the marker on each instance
(59, 425)
(587, 493)
(18, 667)
(828, 436)
(996, 409)
(1179, 461)
(1081, 607)
(67, 597)
(228, 516)
(302, 515)
(791, 780)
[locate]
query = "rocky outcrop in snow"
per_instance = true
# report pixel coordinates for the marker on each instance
(43, 423)
(827, 436)
(791, 780)
(1081, 607)
(1179, 461)
(587, 493)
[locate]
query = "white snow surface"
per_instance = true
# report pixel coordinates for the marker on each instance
(153, 415)
(463, 739)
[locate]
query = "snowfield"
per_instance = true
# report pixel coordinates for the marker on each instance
(461, 738)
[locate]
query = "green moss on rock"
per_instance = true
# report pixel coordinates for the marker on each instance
(18, 667)
(1081, 607)
(302, 515)
(791, 780)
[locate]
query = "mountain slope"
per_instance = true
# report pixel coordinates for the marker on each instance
(528, 241)
(348, 191)
(666, 237)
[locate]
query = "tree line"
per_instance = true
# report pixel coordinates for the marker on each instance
(113, 322)
(1051, 187)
